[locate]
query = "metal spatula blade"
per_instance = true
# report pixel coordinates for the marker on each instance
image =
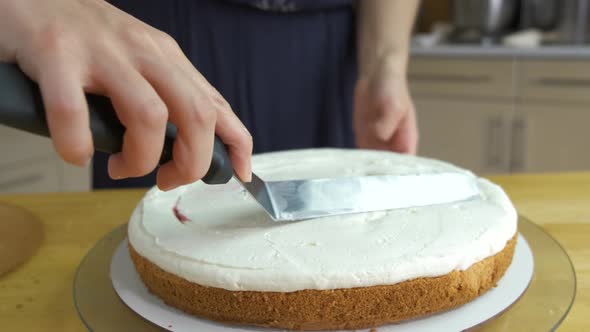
(316, 198)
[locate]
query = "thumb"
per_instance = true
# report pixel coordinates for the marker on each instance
(405, 139)
(386, 117)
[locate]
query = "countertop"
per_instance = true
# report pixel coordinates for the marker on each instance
(38, 295)
(498, 51)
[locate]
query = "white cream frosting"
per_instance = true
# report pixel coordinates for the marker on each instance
(231, 243)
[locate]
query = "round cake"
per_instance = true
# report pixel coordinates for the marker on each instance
(212, 251)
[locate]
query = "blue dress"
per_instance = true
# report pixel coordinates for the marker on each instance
(287, 67)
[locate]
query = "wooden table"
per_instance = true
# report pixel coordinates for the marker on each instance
(38, 295)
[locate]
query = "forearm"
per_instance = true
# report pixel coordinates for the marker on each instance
(383, 33)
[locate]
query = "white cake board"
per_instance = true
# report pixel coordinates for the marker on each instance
(133, 292)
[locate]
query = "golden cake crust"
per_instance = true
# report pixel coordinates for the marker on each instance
(346, 308)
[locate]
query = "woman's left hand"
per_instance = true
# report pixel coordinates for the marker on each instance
(384, 115)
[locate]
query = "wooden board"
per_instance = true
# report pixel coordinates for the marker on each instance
(21, 234)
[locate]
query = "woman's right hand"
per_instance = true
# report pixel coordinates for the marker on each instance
(75, 46)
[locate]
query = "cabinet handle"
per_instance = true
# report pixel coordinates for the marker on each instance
(20, 181)
(517, 157)
(494, 156)
(449, 78)
(562, 82)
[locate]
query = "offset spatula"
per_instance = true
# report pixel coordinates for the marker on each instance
(21, 107)
(305, 199)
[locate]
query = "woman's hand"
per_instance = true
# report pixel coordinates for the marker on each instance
(74, 46)
(384, 115)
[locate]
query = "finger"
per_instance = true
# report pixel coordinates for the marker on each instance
(373, 144)
(191, 110)
(405, 139)
(144, 115)
(367, 140)
(387, 115)
(368, 136)
(66, 110)
(228, 127)
(181, 170)
(238, 140)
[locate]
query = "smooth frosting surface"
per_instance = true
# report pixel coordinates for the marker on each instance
(229, 242)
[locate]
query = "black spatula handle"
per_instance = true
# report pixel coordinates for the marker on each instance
(21, 107)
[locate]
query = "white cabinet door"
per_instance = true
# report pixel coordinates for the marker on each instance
(74, 178)
(554, 81)
(29, 163)
(474, 135)
(34, 175)
(17, 145)
(550, 138)
(464, 78)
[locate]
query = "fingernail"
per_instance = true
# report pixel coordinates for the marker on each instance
(383, 130)
(166, 187)
(112, 169)
(248, 173)
(164, 181)
(114, 176)
(248, 177)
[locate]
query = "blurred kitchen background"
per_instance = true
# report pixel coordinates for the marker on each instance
(503, 86)
(500, 86)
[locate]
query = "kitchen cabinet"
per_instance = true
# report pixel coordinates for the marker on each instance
(19, 146)
(462, 78)
(30, 164)
(551, 127)
(561, 82)
(550, 138)
(35, 175)
(503, 115)
(473, 135)
(465, 110)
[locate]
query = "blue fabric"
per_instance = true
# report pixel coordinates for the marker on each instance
(288, 76)
(286, 6)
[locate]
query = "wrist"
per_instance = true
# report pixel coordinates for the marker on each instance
(392, 64)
